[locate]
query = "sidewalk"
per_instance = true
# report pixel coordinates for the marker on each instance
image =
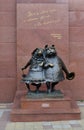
(5, 123)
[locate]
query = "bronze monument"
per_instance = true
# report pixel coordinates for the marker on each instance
(45, 67)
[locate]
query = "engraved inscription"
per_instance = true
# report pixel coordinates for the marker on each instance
(44, 17)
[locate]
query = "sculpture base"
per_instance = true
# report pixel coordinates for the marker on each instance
(44, 94)
(43, 109)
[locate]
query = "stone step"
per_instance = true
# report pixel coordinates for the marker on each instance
(24, 115)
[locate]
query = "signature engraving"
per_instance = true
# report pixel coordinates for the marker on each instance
(58, 36)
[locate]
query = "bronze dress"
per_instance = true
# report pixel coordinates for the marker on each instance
(36, 71)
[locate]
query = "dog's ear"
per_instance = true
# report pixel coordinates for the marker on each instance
(53, 45)
(46, 46)
(34, 51)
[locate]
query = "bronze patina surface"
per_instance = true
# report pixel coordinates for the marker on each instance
(45, 66)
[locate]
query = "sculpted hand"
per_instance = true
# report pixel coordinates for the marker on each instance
(22, 68)
(41, 64)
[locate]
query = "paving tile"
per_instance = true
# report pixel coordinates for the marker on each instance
(56, 122)
(28, 125)
(5, 116)
(46, 123)
(36, 125)
(48, 127)
(82, 112)
(66, 126)
(19, 126)
(1, 113)
(38, 128)
(10, 126)
(82, 123)
(28, 128)
(3, 125)
(74, 122)
(75, 125)
(1, 128)
(33, 126)
(57, 126)
(77, 129)
(5, 109)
